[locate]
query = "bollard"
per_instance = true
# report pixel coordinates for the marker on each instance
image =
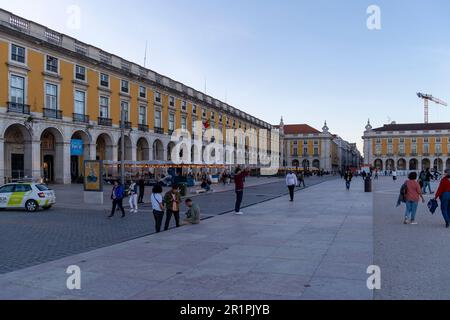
(368, 184)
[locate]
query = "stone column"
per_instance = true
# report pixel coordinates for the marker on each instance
(92, 152)
(36, 161)
(2, 161)
(62, 163)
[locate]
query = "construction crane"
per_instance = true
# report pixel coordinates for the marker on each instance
(429, 97)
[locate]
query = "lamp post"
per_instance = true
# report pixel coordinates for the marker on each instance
(122, 146)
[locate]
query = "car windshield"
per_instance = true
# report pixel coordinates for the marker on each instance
(42, 187)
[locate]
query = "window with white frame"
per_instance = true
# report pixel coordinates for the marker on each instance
(157, 98)
(414, 148)
(213, 115)
(390, 149)
(204, 113)
(52, 64)
(51, 96)
(194, 109)
(316, 151)
(80, 102)
(171, 101)
(194, 126)
(401, 148)
(142, 114)
(104, 107)
(183, 123)
(426, 148)
(142, 92)
(17, 53)
(124, 86)
(378, 149)
(80, 73)
(104, 80)
(125, 107)
(17, 89)
(438, 148)
(158, 119)
(305, 150)
(171, 122)
(183, 105)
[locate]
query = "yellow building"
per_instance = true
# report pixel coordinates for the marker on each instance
(57, 92)
(407, 147)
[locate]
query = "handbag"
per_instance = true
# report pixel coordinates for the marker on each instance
(432, 205)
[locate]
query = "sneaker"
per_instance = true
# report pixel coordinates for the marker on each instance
(413, 222)
(406, 221)
(240, 213)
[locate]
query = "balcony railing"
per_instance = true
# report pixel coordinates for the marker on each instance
(52, 113)
(18, 108)
(159, 130)
(143, 127)
(105, 122)
(126, 124)
(82, 118)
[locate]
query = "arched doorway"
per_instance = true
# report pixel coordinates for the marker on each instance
(378, 164)
(296, 163)
(143, 150)
(52, 155)
(170, 147)
(158, 150)
(390, 164)
(17, 153)
(104, 147)
(305, 164)
(401, 164)
(438, 164)
(316, 164)
(128, 149)
(426, 164)
(80, 141)
(413, 164)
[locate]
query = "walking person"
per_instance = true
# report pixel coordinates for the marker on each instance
(133, 197)
(157, 206)
(394, 176)
(443, 193)
(301, 180)
(427, 181)
(412, 196)
(291, 182)
(172, 200)
(117, 195)
(348, 176)
(239, 177)
(141, 184)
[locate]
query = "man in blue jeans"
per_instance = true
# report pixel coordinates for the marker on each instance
(239, 188)
(427, 181)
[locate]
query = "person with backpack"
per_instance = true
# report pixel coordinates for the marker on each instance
(157, 206)
(133, 197)
(443, 193)
(117, 196)
(427, 181)
(411, 194)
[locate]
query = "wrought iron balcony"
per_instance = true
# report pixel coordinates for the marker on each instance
(18, 108)
(143, 127)
(159, 130)
(105, 122)
(81, 118)
(52, 113)
(126, 124)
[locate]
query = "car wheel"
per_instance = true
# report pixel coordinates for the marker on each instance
(31, 206)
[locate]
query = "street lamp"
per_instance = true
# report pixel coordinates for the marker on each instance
(122, 146)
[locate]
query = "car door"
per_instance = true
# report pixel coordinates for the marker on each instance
(21, 194)
(5, 194)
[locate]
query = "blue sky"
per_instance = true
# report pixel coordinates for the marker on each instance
(308, 61)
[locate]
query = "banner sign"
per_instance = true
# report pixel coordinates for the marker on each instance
(76, 147)
(93, 175)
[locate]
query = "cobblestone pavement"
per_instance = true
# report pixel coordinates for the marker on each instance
(30, 239)
(414, 259)
(318, 247)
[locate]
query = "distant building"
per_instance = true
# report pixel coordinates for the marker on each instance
(410, 147)
(306, 147)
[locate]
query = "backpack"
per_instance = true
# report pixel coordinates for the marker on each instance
(402, 196)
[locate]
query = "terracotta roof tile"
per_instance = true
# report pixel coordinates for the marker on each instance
(299, 129)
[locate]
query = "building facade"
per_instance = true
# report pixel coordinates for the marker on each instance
(407, 147)
(61, 102)
(306, 147)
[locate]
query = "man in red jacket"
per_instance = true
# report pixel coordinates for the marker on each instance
(239, 187)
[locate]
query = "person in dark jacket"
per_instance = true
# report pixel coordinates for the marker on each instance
(172, 201)
(141, 184)
(348, 176)
(427, 181)
(239, 188)
(117, 198)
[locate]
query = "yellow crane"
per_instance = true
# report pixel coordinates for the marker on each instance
(429, 97)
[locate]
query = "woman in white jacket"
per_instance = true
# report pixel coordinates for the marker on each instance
(133, 200)
(291, 182)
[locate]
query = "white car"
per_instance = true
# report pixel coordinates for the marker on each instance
(28, 196)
